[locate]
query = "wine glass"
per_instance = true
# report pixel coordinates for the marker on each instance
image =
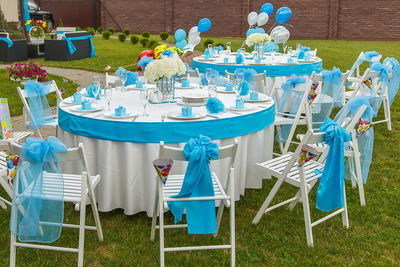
(108, 97)
(144, 101)
(209, 76)
(123, 77)
(96, 90)
(284, 46)
(228, 47)
(236, 86)
(290, 51)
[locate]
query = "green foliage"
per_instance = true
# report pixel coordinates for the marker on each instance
(146, 34)
(153, 43)
(127, 31)
(61, 24)
(89, 28)
(100, 29)
(111, 30)
(16, 36)
(220, 44)
(122, 37)
(92, 32)
(106, 35)
(144, 42)
(78, 28)
(134, 39)
(207, 42)
(164, 35)
(3, 22)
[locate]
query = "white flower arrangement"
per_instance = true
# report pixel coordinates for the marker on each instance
(165, 67)
(257, 38)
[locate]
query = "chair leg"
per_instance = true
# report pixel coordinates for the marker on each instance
(268, 200)
(12, 250)
(161, 208)
(359, 180)
(298, 195)
(232, 223)
(219, 216)
(307, 215)
(345, 215)
(95, 211)
(82, 220)
(154, 219)
(387, 114)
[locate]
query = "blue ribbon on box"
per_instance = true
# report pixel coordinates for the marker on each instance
(72, 48)
(7, 40)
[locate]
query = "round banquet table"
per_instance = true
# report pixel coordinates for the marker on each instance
(274, 66)
(122, 150)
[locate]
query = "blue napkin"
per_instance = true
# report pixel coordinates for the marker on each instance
(120, 111)
(305, 48)
(200, 215)
(131, 77)
(90, 91)
(239, 58)
(244, 88)
(301, 54)
(207, 54)
(214, 105)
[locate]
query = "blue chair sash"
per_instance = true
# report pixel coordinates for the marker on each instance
(331, 96)
(394, 77)
(200, 215)
(39, 106)
(366, 57)
(384, 78)
(296, 98)
(7, 40)
(330, 188)
(72, 48)
(36, 214)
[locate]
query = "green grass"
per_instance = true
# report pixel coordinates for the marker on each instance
(9, 91)
(279, 238)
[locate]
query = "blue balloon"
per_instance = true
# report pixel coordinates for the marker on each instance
(283, 14)
(267, 8)
(204, 25)
(180, 35)
(181, 44)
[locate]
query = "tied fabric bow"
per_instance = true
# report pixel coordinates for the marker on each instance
(383, 71)
(330, 188)
(271, 46)
(197, 183)
(167, 53)
(367, 57)
(72, 48)
(37, 206)
(39, 106)
(239, 58)
(131, 77)
(144, 61)
(394, 77)
(247, 74)
(7, 40)
(305, 48)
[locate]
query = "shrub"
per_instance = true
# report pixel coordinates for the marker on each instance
(106, 35)
(144, 42)
(220, 44)
(164, 36)
(152, 42)
(127, 31)
(207, 42)
(16, 36)
(100, 29)
(78, 28)
(88, 29)
(122, 37)
(134, 39)
(146, 34)
(92, 32)
(61, 24)
(3, 21)
(111, 30)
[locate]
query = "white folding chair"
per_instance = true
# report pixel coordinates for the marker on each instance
(111, 79)
(172, 187)
(76, 190)
(7, 186)
(286, 169)
(229, 76)
(193, 73)
(356, 72)
(260, 82)
(27, 112)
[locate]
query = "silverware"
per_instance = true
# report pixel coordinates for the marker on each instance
(135, 117)
(235, 112)
(213, 116)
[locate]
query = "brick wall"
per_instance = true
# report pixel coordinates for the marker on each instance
(312, 19)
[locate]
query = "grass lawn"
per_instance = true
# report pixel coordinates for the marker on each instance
(279, 238)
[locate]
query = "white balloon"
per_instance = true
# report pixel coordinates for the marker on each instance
(280, 34)
(262, 19)
(194, 31)
(277, 28)
(252, 18)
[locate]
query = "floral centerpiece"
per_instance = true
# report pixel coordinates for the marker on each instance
(163, 71)
(31, 71)
(257, 40)
(38, 31)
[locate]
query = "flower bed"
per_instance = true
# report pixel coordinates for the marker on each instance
(19, 71)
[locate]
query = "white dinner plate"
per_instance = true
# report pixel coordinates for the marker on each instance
(145, 87)
(93, 109)
(111, 114)
(222, 90)
(177, 115)
(191, 86)
(203, 59)
(181, 103)
(245, 108)
(70, 101)
(261, 98)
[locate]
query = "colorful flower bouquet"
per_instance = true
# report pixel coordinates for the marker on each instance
(38, 31)
(31, 71)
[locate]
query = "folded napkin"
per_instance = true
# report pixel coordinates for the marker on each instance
(244, 88)
(305, 48)
(187, 111)
(120, 111)
(207, 54)
(239, 58)
(214, 105)
(271, 46)
(90, 91)
(86, 104)
(131, 77)
(301, 54)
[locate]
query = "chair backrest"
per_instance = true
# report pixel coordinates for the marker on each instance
(260, 82)
(27, 111)
(4, 34)
(357, 70)
(229, 76)
(313, 52)
(193, 73)
(111, 79)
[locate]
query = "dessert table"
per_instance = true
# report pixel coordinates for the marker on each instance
(274, 66)
(122, 150)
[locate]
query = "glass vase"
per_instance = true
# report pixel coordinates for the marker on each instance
(259, 51)
(166, 85)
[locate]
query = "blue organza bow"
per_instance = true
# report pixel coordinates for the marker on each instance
(239, 58)
(288, 87)
(365, 140)
(38, 205)
(200, 215)
(271, 46)
(384, 78)
(244, 88)
(39, 106)
(131, 77)
(207, 53)
(214, 105)
(7, 40)
(330, 188)
(167, 53)
(367, 57)
(394, 80)
(144, 61)
(305, 48)
(72, 48)
(247, 74)
(331, 96)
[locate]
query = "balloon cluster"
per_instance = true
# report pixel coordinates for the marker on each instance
(194, 35)
(279, 34)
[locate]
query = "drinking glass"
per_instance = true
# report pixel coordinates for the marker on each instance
(290, 51)
(228, 47)
(79, 89)
(123, 77)
(298, 47)
(209, 78)
(284, 46)
(144, 101)
(108, 97)
(236, 86)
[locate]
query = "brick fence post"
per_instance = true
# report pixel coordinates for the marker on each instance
(245, 11)
(333, 19)
(169, 15)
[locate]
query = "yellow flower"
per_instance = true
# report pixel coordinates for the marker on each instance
(28, 22)
(44, 24)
